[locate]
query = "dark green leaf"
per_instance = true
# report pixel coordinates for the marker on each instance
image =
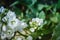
(42, 15)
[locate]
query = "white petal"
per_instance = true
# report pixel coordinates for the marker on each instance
(3, 36)
(4, 28)
(39, 21)
(19, 38)
(29, 38)
(40, 37)
(32, 29)
(13, 24)
(9, 33)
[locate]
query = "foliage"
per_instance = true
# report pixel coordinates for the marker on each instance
(33, 21)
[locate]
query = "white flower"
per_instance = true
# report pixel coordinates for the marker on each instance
(3, 36)
(17, 25)
(19, 38)
(9, 17)
(30, 22)
(13, 24)
(2, 9)
(39, 21)
(29, 38)
(32, 29)
(39, 37)
(9, 34)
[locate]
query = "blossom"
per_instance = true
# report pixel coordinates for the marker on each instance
(9, 17)
(40, 37)
(19, 38)
(17, 25)
(29, 38)
(13, 24)
(32, 29)
(3, 36)
(9, 34)
(38, 21)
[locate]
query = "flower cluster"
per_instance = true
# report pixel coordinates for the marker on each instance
(35, 23)
(10, 25)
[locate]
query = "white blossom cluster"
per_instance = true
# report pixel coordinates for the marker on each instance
(12, 24)
(37, 21)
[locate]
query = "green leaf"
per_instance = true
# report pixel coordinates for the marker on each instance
(56, 33)
(58, 15)
(42, 15)
(30, 14)
(15, 3)
(58, 4)
(48, 8)
(30, 2)
(54, 19)
(34, 1)
(40, 7)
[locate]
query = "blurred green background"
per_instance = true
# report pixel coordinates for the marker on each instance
(48, 10)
